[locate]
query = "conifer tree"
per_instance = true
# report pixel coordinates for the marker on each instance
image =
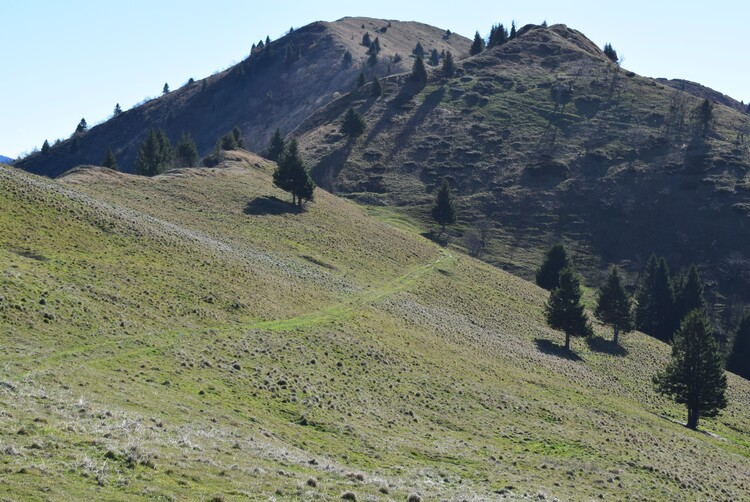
(237, 135)
(292, 175)
(418, 72)
(444, 210)
(361, 80)
(564, 309)
(353, 124)
(610, 52)
(275, 146)
(614, 307)
(434, 58)
(366, 40)
(165, 89)
(82, 127)
(739, 359)
(155, 154)
(512, 34)
(448, 67)
(695, 376)
(478, 45)
(418, 50)
(45, 147)
(117, 110)
(688, 292)
(346, 62)
(110, 160)
(655, 301)
(377, 88)
(555, 259)
(186, 153)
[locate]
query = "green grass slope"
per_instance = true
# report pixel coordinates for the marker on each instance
(548, 140)
(190, 336)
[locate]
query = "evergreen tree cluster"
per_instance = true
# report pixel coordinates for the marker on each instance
(292, 175)
(695, 374)
(155, 155)
(353, 124)
(230, 141)
(498, 36)
(610, 52)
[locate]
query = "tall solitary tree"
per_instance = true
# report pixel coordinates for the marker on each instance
(418, 72)
(82, 127)
(117, 110)
(739, 359)
(353, 124)
(361, 80)
(444, 210)
(564, 309)
(654, 314)
(555, 259)
(376, 89)
(478, 45)
(110, 160)
(292, 175)
(614, 307)
(512, 34)
(276, 146)
(695, 376)
(165, 89)
(449, 67)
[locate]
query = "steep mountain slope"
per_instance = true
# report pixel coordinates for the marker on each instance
(5, 160)
(549, 140)
(192, 336)
(275, 87)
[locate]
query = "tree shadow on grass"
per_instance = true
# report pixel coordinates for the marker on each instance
(269, 204)
(553, 349)
(604, 346)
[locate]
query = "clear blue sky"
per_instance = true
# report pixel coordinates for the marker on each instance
(64, 60)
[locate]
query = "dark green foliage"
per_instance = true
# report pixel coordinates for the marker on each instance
(610, 52)
(361, 80)
(374, 46)
(449, 67)
(353, 124)
(512, 34)
(191, 81)
(292, 53)
(688, 293)
(655, 314)
(614, 307)
(237, 135)
(478, 45)
(275, 146)
(155, 154)
(705, 115)
(260, 45)
(82, 127)
(739, 359)
(444, 210)
(165, 89)
(366, 40)
(225, 142)
(110, 160)
(418, 72)
(498, 36)
(555, 259)
(117, 110)
(373, 59)
(346, 62)
(564, 309)
(292, 176)
(75, 144)
(45, 147)
(377, 88)
(434, 58)
(418, 50)
(186, 153)
(695, 376)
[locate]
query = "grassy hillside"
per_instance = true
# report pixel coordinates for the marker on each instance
(268, 89)
(548, 140)
(191, 336)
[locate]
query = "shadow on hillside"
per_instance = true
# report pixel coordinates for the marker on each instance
(604, 346)
(269, 205)
(553, 349)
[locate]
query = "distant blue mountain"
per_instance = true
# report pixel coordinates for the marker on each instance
(5, 160)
